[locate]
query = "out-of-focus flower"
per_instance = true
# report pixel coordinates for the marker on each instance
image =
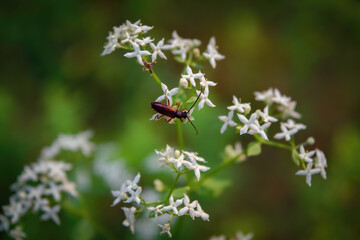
(212, 53)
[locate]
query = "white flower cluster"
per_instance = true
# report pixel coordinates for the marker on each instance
(41, 184)
(239, 236)
(129, 192)
(251, 125)
(180, 160)
(131, 36)
(193, 209)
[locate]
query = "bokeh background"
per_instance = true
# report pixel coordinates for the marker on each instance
(53, 80)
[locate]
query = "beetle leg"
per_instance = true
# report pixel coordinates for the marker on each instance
(159, 117)
(168, 119)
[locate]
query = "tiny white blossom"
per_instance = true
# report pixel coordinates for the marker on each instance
(266, 96)
(281, 99)
(156, 210)
(248, 123)
(240, 107)
(28, 174)
(265, 115)
(308, 172)
(242, 236)
(167, 94)
(157, 50)
(119, 195)
(144, 41)
(14, 210)
(137, 53)
(200, 213)
(285, 133)
(133, 184)
(40, 203)
(111, 45)
(227, 121)
(173, 205)
(129, 217)
(54, 190)
(134, 196)
(188, 207)
(321, 163)
(256, 128)
(306, 156)
(178, 161)
(137, 27)
(183, 82)
(4, 223)
(165, 155)
(191, 76)
(290, 124)
(204, 99)
(194, 156)
(212, 53)
(17, 233)
(196, 167)
(51, 213)
(288, 110)
(165, 229)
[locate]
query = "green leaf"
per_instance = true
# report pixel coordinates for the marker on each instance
(216, 186)
(179, 192)
(295, 157)
(253, 149)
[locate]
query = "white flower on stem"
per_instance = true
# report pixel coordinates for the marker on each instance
(242, 236)
(281, 99)
(167, 94)
(200, 213)
(134, 196)
(137, 53)
(234, 151)
(288, 110)
(40, 203)
(265, 96)
(128, 38)
(4, 223)
(248, 123)
(257, 129)
(137, 27)
(157, 50)
(51, 213)
(308, 172)
(183, 82)
(285, 133)
(194, 156)
(240, 107)
(265, 115)
(305, 155)
(27, 174)
(129, 217)
(17, 233)
(111, 45)
(204, 99)
(165, 229)
(191, 76)
(54, 190)
(156, 210)
(227, 121)
(35, 192)
(165, 155)
(188, 207)
(178, 161)
(321, 163)
(14, 210)
(119, 195)
(196, 167)
(70, 188)
(290, 124)
(212, 53)
(144, 41)
(133, 184)
(173, 205)
(181, 46)
(205, 83)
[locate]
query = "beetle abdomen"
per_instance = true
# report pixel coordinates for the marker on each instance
(164, 109)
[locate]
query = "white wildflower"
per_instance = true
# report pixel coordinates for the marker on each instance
(51, 213)
(129, 217)
(157, 50)
(191, 76)
(137, 53)
(200, 213)
(285, 133)
(321, 163)
(17, 233)
(196, 167)
(204, 99)
(248, 123)
(265, 115)
(134, 196)
(167, 94)
(305, 155)
(165, 155)
(54, 190)
(119, 195)
(4, 223)
(165, 229)
(257, 129)
(173, 205)
(157, 210)
(308, 172)
(265, 96)
(144, 41)
(14, 210)
(238, 106)
(194, 156)
(227, 121)
(212, 53)
(188, 207)
(290, 124)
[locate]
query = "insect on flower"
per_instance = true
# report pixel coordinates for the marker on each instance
(173, 112)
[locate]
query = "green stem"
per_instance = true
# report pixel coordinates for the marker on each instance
(180, 135)
(157, 79)
(173, 187)
(271, 143)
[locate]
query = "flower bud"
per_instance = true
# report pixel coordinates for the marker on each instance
(197, 52)
(310, 141)
(159, 185)
(247, 108)
(184, 82)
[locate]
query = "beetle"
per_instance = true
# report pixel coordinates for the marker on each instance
(173, 112)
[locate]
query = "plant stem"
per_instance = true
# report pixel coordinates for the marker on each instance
(271, 143)
(157, 79)
(173, 187)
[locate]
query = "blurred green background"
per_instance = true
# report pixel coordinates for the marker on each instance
(53, 80)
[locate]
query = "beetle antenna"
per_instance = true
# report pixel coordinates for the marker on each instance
(193, 126)
(196, 99)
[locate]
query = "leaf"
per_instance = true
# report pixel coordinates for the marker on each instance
(179, 192)
(253, 149)
(295, 157)
(216, 186)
